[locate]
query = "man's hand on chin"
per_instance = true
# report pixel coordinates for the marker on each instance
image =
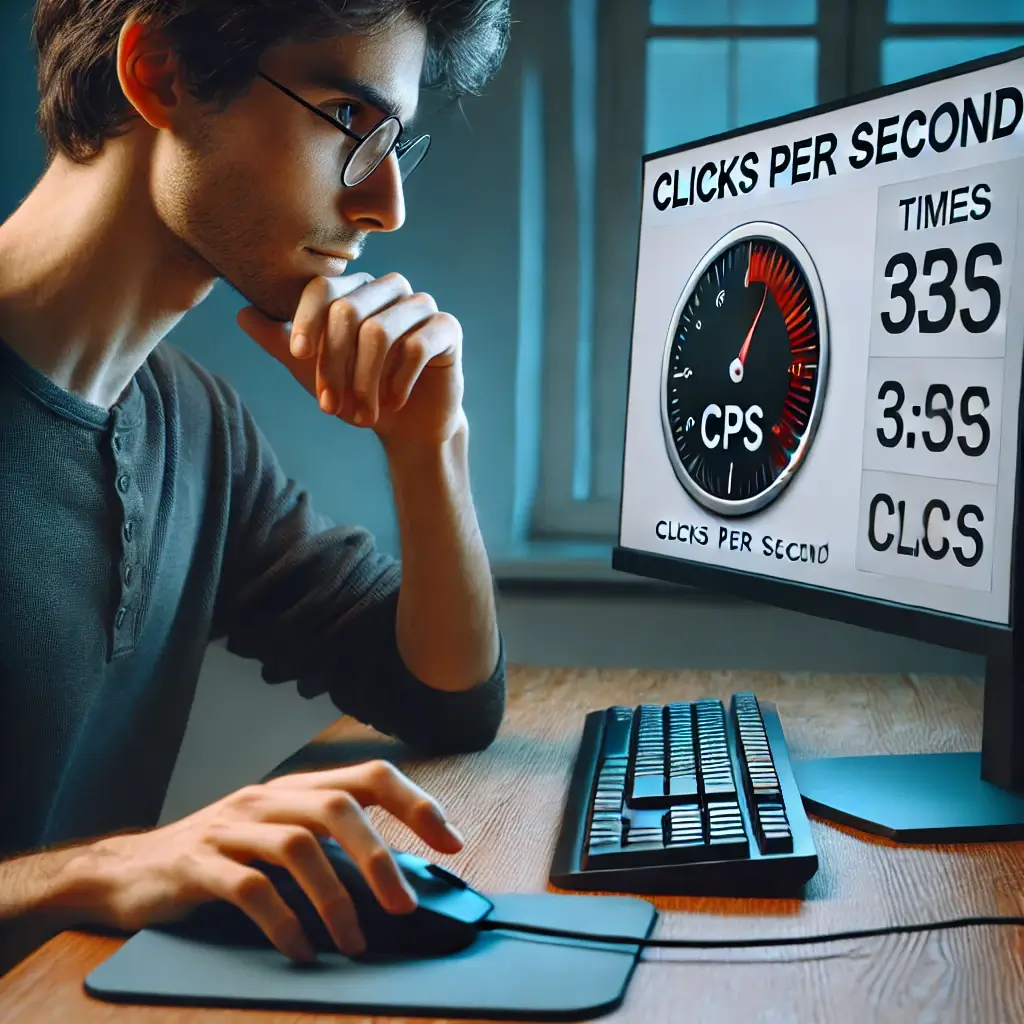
(373, 353)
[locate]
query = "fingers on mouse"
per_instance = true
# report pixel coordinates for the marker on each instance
(445, 921)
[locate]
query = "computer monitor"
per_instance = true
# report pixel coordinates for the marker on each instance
(824, 401)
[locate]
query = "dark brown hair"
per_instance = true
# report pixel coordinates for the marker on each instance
(220, 43)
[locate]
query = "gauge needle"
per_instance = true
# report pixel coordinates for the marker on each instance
(736, 366)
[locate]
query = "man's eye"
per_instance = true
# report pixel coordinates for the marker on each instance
(344, 112)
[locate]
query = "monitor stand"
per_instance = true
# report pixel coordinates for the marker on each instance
(912, 798)
(934, 798)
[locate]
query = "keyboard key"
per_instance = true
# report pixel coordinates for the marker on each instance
(727, 836)
(648, 783)
(614, 769)
(684, 826)
(648, 791)
(759, 776)
(776, 842)
(683, 788)
(609, 791)
(715, 764)
(618, 724)
(729, 846)
(767, 791)
(605, 828)
(772, 827)
(682, 756)
(725, 815)
(637, 836)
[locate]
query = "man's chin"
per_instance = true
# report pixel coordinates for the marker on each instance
(279, 306)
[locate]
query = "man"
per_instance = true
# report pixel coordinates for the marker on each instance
(142, 513)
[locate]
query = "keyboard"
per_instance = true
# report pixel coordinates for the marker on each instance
(688, 797)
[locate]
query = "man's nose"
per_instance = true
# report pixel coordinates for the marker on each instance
(378, 203)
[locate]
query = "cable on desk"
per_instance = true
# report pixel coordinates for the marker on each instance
(789, 940)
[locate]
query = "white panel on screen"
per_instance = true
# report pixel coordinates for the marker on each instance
(825, 371)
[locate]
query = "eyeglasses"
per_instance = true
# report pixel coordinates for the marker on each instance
(373, 148)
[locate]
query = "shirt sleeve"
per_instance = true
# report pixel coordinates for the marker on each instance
(317, 604)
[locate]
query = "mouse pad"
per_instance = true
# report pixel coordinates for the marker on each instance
(503, 975)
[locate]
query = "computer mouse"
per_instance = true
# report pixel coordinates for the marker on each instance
(447, 919)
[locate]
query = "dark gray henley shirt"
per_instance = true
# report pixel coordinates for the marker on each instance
(129, 540)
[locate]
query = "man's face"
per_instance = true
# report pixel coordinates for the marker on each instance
(252, 190)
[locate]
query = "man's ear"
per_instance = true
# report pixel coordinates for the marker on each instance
(147, 69)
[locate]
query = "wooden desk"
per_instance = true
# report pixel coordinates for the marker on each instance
(970, 975)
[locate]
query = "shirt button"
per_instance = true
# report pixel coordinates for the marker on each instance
(117, 442)
(127, 575)
(128, 530)
(121, 613)
(122, 483)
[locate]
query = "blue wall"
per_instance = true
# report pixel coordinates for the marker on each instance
(460, 243)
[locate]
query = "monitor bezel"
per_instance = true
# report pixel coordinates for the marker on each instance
(914, 622)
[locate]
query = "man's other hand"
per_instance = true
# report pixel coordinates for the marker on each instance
(156, 877)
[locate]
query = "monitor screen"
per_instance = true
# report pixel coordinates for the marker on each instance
(825, 369)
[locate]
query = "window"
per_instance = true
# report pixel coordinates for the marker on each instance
(925, 35)
(625, 77)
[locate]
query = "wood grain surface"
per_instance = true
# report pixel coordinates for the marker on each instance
(507, 801)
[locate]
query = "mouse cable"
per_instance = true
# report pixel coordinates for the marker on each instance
(789, 940)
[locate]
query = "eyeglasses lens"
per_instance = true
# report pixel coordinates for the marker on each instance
(368, 154)
(413, 156)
